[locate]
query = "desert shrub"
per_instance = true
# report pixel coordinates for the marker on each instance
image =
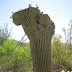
(21, 57)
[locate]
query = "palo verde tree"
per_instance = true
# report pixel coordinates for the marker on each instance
(68, 34)
(4, 34)
(39, 29)
(68, 45)
(59, 56)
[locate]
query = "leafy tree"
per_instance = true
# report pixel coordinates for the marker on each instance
(68, 34)
(59, 54)
(4, 34)
(68, 44)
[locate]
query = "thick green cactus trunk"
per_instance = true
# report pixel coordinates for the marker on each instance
(39, 29)
(41, 55)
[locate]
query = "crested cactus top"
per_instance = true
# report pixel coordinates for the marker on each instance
(35, 23)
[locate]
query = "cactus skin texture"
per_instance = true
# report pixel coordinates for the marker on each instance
(39, 28)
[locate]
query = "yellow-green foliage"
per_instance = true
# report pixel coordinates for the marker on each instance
(21, 57)
(59, 54)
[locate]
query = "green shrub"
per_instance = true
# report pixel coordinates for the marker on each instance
(21, 57)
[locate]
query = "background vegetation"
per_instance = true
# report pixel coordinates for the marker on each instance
(61, 54)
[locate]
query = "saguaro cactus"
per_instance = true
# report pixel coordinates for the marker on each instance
(39, 29)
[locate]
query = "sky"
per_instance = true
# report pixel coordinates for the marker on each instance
(60, 12)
